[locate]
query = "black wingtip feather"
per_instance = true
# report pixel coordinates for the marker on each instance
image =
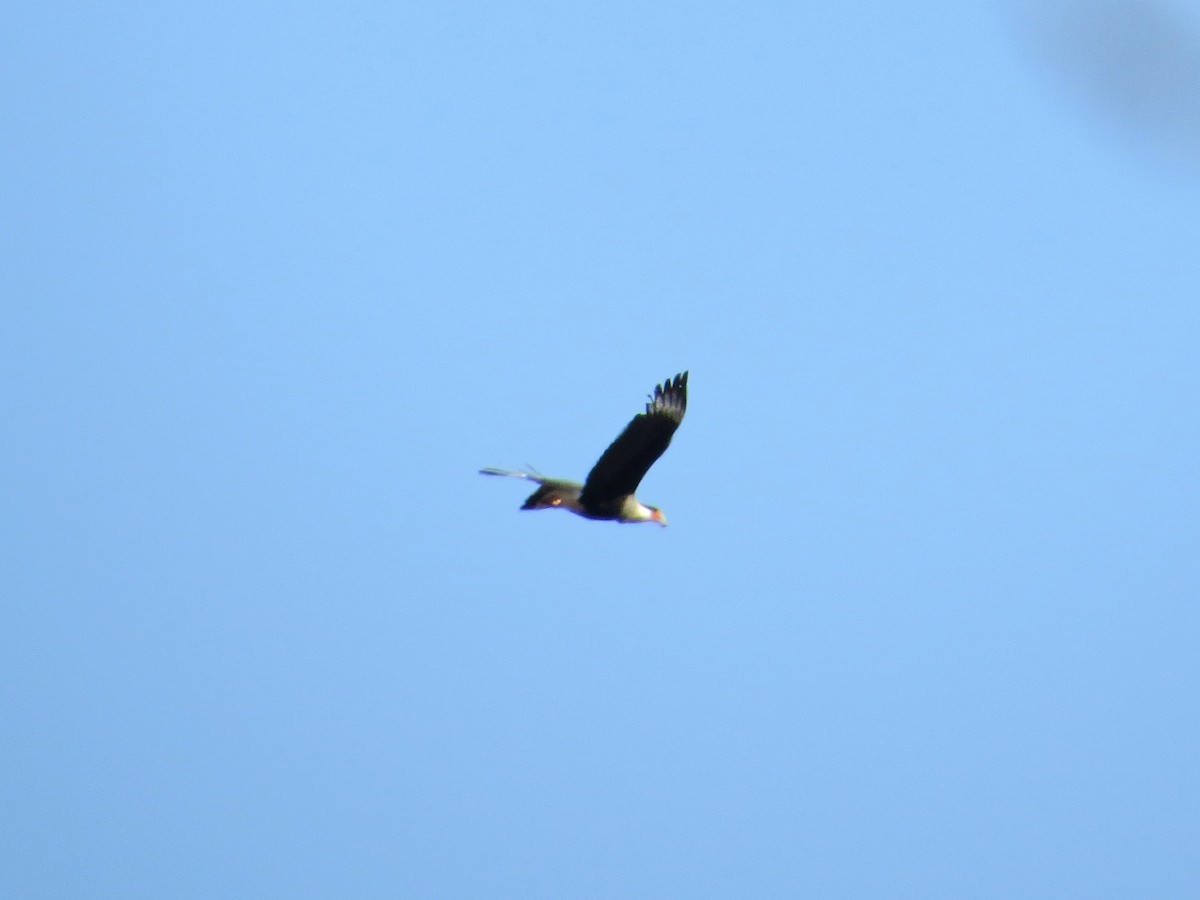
(672, 394)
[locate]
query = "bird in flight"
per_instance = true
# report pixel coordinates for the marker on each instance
(608, 492)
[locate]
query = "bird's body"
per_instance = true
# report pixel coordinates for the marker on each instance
(608, 492)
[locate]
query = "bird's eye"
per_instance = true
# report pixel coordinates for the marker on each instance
(556, 501)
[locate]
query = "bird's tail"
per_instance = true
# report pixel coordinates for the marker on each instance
(510, 474)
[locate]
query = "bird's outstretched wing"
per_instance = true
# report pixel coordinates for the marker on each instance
(621, 468)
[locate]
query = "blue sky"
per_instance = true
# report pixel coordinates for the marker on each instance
(279, 281)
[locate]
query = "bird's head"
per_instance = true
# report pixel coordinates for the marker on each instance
(656, 515)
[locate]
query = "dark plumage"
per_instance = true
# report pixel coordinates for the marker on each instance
(609, 490)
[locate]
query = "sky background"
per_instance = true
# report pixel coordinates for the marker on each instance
(278, 280)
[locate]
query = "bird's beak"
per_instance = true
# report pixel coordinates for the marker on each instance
(660, 518)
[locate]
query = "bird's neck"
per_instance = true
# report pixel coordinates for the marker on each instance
(634, 510)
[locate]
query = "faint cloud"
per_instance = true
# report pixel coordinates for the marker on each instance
(1136, 62)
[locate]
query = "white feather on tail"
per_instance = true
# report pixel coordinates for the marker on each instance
(510, 474)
